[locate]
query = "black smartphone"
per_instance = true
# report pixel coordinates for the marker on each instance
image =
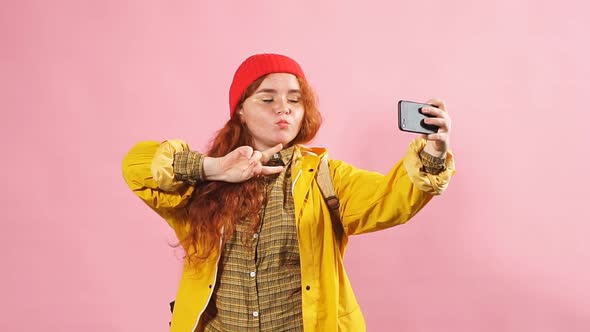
(411, 119)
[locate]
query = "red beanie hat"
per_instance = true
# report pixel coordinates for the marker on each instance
(255, 67)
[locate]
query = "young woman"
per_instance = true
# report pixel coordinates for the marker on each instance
(263, 252)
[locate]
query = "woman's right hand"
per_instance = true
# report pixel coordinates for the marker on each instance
(241, 164)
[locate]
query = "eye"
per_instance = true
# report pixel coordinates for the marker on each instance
(294, 100)
(267, 99)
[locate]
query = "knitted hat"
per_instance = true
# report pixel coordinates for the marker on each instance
(255, 67)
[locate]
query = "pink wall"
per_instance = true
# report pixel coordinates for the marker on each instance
(502, 250)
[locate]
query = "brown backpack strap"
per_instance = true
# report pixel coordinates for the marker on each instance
(324, 180)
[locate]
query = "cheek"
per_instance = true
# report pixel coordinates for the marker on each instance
(259, 124)
(299, 118)
(251, 118)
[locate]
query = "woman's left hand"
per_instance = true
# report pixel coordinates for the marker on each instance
(438, 143)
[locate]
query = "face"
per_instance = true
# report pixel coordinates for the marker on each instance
(273, 113)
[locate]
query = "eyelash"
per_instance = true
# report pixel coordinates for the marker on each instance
(268, 101)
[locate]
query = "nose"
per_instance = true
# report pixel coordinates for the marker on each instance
(283, 107)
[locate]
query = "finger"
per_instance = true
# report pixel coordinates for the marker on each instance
(439, 122)
(441, 137)
(267, 154)
(439, 103)
(248, 173)
(437, 112)
(245, 151)
(256, 157)
(269, 170)
(256, 167)
(256, 170)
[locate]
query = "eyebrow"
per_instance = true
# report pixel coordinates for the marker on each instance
(275, 91)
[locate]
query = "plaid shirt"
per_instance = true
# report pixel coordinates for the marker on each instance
(432, 164)
(258, 286)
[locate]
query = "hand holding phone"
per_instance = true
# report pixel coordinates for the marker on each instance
(411, 118)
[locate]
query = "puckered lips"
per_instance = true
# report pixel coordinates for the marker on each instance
(283, 123)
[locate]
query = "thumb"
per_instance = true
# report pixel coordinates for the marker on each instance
(245, 151)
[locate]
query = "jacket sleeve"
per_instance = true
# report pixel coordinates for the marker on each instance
(148, 171)
(370, 201)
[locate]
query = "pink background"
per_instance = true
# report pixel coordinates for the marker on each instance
(503, 250)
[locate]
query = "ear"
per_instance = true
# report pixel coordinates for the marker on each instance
(240, 112)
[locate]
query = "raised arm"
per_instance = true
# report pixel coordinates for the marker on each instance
(370, 201)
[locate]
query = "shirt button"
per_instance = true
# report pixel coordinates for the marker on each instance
(255, 235)
(252, 274)
(255, 314)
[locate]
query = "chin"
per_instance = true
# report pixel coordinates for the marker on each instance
(284, 139)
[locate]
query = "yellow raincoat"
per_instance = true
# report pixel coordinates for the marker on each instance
(369, 202)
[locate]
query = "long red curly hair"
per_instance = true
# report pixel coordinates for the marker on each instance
(216, 205)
